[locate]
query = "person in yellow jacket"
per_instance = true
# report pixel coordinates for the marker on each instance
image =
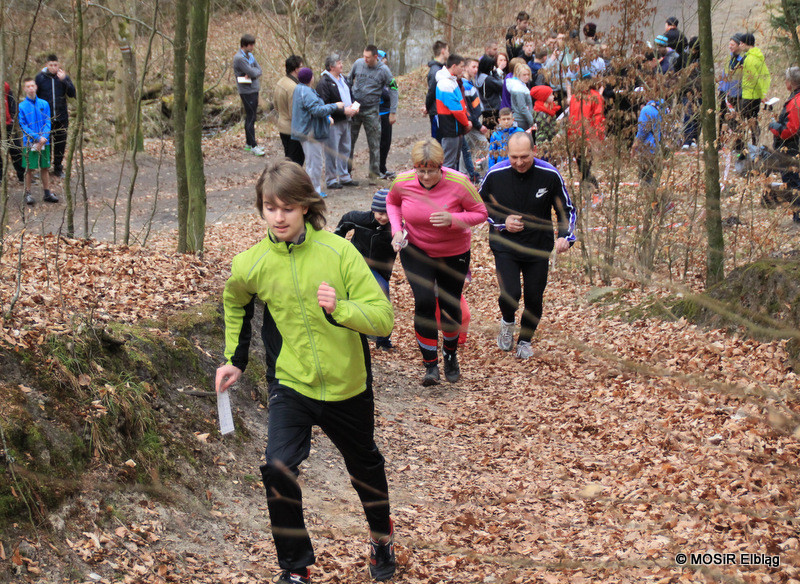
(321, 300)
(755, 83)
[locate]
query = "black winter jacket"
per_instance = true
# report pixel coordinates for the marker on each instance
(371, 239)
(55, 92)
(329, 92)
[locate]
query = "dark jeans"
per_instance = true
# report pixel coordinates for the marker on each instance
(386, 141)
(448, 273)
(384, 284)
(691, 120)
(58, 138)
(15, 151)
(435, 128)
(749, 116)
(292, 149)
(250, 103)
(350, 425)
(509, 268)
(468, 165)
(726, 116)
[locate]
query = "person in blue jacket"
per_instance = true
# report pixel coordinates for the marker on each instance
(34, 121)
(647, 144)
(311, 121)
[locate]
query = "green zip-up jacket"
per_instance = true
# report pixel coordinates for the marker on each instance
(324, 357)
(755, 75)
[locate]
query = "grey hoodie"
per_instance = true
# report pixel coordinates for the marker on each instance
(246, 64)
(368, 83)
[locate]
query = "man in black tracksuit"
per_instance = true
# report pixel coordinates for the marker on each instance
(54, 86)
(520, 195)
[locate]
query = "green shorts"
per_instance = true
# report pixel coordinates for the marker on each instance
(33, 159)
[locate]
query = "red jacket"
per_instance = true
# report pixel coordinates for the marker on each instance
(787, 127)
(586, 117)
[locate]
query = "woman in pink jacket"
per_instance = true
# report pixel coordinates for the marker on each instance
(431, 209)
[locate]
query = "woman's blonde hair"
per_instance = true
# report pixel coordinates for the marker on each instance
(287, 181)
(427, 151)
(512, 64)
(520, 69)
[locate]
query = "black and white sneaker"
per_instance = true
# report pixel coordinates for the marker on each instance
(288, 577)
(382, 562)
(431, 376)
(452, 372)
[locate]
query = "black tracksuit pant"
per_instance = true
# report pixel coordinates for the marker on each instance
(250, 103)
(350, 425)
(534, 280)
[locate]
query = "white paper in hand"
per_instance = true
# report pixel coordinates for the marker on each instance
(224, 411)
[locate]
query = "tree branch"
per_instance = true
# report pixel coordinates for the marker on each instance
(132, 19)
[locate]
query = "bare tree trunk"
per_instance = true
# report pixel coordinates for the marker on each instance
(179, 117)
(4, 137)
(715, 258)
(448, 25)
(77, 120)
(137, 123)
(409, 18)
(196, 180)
(128, 134)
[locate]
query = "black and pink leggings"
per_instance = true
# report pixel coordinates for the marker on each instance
(423, 274)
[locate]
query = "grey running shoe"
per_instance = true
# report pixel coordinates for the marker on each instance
(505, 340)
(524, 350)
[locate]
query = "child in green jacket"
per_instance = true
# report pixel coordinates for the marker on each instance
(320, 301)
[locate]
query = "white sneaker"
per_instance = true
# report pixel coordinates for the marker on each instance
(505, 339)
(257, 150)
(524, 350)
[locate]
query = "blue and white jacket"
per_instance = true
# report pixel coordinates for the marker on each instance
(34, 120)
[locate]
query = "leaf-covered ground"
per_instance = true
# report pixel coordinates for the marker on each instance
(617, 447)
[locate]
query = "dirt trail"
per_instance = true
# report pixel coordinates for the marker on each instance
(231, 174)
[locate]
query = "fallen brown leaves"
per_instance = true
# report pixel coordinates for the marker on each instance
(67, 282)
(618, 446)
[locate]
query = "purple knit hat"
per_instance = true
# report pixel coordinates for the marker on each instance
(305, 75)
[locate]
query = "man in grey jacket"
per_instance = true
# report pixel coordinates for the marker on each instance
(368, 77)
(248, 72)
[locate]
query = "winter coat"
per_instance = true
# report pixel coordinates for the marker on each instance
(34, 120)
(284, 90)
(787, 127)
(246, 64)
(586, 119)
(521, 103)
(755, 75)
(310, 115)
(328, 90)
(451, 109)
(319, 355)
(55, 92)
(498, 145)
(372, 240)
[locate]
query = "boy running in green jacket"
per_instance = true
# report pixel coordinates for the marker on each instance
(320, 301)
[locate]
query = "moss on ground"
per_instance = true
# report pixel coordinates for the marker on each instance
(106, 396)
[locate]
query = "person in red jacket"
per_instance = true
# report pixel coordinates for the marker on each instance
(786, 132)
(14, 144)
(587, 124)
